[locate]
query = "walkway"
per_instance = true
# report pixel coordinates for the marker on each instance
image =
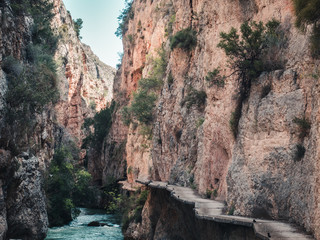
(213, 210)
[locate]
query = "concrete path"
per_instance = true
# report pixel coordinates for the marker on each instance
(213, 211)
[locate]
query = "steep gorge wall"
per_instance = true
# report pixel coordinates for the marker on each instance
(85, 86)
(256, 172)
(23, 208)
(86, 83)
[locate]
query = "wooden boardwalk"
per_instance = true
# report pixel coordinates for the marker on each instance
(213, 211)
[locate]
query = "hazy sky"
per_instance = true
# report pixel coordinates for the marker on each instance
(99, 25)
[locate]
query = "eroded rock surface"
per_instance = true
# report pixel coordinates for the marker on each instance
(86, 83)
(257, 172)
(85, 86)
(26, 206)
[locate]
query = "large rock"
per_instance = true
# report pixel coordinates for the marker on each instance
(26, 206)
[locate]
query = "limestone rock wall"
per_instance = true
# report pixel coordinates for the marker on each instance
(25, 197)
(86, 83)
(256, 172)
(85, 86)
(22, 202)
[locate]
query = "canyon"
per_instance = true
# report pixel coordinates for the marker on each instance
(85, 86)
(184, 140)
(255, 173)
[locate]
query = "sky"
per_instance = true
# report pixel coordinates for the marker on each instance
(99, 25)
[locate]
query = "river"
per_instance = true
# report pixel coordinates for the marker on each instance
(78, 228)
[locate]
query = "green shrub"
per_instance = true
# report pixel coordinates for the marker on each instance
(146, 131)
(215, 193)
(169, 28)
(137, 214)
(150, 84)
(195, 97)
(142, 106)
(126, 115)
(30, 90)
(200, 122)
(231, 209)
(192, 182)
(214, 78)
(144, 98)
(304, 126)
(191, 178)
(32, 83)
(131, 38)
(276, 41)
(37, 55)
(42, 34)
(185, 39)
(132, 210)
(246, 54)
(299, 152)
(129, 171)
(308, 13)
(159, 64)
(101, 123)
(234, 120)
(208, 193)
(143, 197)
(123, 20)
(114, 206)
(10, 65)
(66, 186)
(77, 24)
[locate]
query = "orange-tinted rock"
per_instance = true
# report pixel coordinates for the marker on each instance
(85, 82)
(255, 172)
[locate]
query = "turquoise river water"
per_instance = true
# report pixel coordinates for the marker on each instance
(78, 228)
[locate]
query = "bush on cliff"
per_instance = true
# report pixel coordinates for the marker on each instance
(123, 20)
(247, 53)
(142, 106)
(195, 97)
(214, 78)
(132, 211)
(144, 99)
(185, 39)
(42, 13)
(78, 26)
(304, 126)
(32, 80)
(101, 123)
(308, 13)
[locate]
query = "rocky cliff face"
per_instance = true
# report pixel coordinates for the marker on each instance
(23, 209)
(257, 172)
(85, 85)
